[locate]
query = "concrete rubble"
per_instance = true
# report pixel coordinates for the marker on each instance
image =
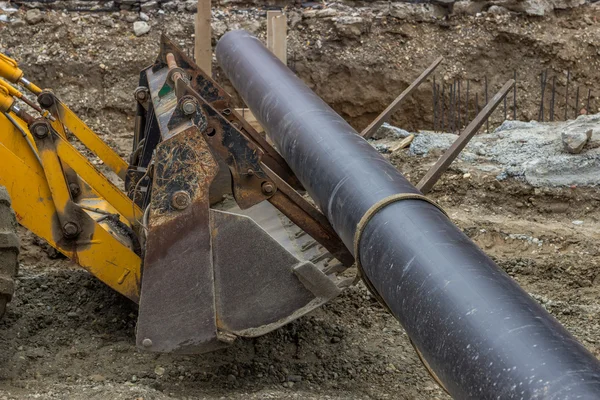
(559, 154)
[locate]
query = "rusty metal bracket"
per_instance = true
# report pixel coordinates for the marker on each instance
(253, 179)
(221, 101)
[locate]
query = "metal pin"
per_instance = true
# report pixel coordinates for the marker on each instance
(434, 104)
(467, 110)
(567, 93)
(544, 78)
(458, 125)
(587, 108)
(552, 98)
(451, 109)
(505, 108)
(476, 103)
(442, 105)
(454, 106)
(487, 122)
(577, 102)
(515, 96)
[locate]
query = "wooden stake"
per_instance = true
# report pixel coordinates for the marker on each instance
(386, 114)
(435, 172)
(203, 37)
(277, 34)
(404, 143)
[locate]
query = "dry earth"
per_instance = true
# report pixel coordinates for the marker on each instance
(68, 336)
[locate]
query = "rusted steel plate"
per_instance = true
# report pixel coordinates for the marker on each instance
(177, 311)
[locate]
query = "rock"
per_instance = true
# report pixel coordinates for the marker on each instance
(17, 23)
(417, 12)
(218, 28)
(191, 5)
(131, 17)
(426, 142)
(160, 371)
(140, 28)
(566, 4)
(170, 6)
(97, 378)
(498, 10)
(294, 19)
(349, 26)
(252, 26)
(34, 16)
(465, 7)
(149, 6)
(574, 139)
(511, 125)
(328, 12)
(382, 148)
(144, 17)
(577, 222)
(536, 8)
(294, 378)
(108, 22)
(389, 131)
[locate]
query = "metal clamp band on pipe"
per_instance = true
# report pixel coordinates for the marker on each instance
(482, 335)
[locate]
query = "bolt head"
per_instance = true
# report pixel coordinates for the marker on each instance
(147, 342)
(189, 107)
(46, 100)
(40, 130)
(70, 229)
(268, 188)
(181, 200)
(75, 189)
(141, 94)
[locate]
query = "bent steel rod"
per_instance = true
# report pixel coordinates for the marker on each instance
(481, 334)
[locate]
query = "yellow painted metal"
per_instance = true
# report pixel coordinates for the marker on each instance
(9, 69)
(10, 89)
(40, 193)
(78, 128)
(55, 179)
(105, 188)
(6, 100)
(100, 253)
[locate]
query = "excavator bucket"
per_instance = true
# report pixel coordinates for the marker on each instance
(232, 247)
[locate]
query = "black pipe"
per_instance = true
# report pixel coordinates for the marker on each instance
(482, 334)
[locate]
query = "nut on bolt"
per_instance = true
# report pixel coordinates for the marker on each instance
(46, 99)
(70, 229)
(74, 189)
(268, 188)
(188, 106)
(40, 129)
(181, 200)
(141, 94)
